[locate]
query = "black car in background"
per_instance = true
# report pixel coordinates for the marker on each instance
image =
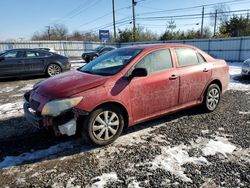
(22, 62)
(90, 55)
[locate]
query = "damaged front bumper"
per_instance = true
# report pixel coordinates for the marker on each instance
(63, 124)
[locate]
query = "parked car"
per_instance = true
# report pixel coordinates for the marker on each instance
(245, 71)
(125, 87)
(21, 62)
(90, 55)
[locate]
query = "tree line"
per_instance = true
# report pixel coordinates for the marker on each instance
(235, 26)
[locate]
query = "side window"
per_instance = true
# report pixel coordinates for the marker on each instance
(31, 54)
(11, 54)
(156, 61)
(43, 54)
(186, 56)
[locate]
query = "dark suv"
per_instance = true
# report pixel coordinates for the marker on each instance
(90, 55)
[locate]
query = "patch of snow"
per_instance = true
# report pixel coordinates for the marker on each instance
(27, 87)
(220, 145)
(172, 159)
(205, 131)
(35, 174)
(221, 129)
(236, 85)
(102, 180)
(10, 161)
(244, 113)
(17, 95)
(134, 184)
(9, 109)
(235, 70)
(76, 65)
(70, 185)
(7, 89)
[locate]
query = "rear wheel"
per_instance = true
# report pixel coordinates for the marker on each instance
(104, 125)
(212, 97)
(53, 69)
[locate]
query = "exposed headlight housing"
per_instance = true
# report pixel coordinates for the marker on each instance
(56, 107)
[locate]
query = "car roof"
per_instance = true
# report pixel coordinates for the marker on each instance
(22, 49)
(160, 45)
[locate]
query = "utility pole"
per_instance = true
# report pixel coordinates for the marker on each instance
(133, 11)
(202, 21)
(215, 22)
(48, 27)
(113, 5)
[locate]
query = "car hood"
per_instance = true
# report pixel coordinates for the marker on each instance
(68, 84)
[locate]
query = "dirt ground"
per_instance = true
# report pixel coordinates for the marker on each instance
(186, 149)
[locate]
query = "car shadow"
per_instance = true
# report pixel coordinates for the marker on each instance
(41, 140)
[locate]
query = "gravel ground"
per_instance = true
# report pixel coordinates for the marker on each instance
(187, 149)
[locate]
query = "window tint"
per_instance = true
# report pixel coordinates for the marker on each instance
(186, 56)
(156, 61)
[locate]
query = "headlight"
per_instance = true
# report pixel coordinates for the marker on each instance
(56, 107)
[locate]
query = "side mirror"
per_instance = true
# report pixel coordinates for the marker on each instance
(138, 72)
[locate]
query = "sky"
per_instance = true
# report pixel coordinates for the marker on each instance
(20, 19)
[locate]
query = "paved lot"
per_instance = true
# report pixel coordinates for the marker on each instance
(186, 149)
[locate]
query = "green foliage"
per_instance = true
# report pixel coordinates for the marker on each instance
(235, 27)
(141, 34)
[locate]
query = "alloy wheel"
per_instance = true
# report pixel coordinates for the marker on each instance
(105, 125)
(54, 70)
(213, 98)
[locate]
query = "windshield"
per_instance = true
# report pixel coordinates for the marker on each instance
(111, 62)
(98, 48)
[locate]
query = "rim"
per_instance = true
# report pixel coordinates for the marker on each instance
(213, 98)
(105, 125)
(54, 70)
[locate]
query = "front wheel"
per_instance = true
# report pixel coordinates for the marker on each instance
(104, 125)
(212, 97)
(53, 69)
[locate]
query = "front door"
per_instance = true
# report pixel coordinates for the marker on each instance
(158, 92)
(12, 64)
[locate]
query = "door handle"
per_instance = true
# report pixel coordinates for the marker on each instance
(173, 77)
(205, 70)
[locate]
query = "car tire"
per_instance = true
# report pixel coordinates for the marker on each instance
(212, 97)
(53, 69)
(103, 126)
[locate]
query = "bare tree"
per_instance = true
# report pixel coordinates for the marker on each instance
(222, 13)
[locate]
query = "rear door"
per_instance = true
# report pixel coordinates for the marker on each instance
(194, 73)
(35, 61)
(158, 92)
(13, 63)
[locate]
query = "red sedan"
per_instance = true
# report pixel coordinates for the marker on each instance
(125, 87)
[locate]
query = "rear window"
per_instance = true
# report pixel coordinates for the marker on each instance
(186, 57)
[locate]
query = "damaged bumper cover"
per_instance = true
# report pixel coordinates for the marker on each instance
(65, 123)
